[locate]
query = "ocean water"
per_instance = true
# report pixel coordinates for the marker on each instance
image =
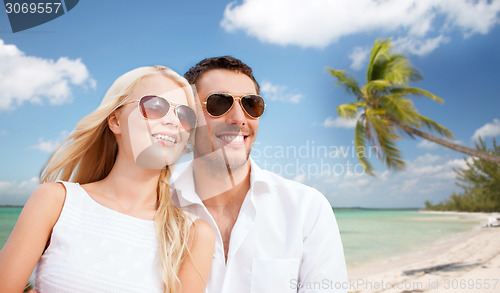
(375, 235)
(367, 235)
(8, 218)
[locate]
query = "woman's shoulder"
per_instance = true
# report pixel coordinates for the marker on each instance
(49, 195)
(51, 190)
(201, 230)
(41, 211)
(198, 226)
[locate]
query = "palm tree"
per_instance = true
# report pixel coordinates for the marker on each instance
(384, 111)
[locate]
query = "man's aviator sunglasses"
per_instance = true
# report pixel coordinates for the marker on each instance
(156, 107)
(218, 104)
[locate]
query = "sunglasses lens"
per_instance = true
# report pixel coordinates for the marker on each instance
(253, 105)
(219, 104)
(187, 117)
(153, 107)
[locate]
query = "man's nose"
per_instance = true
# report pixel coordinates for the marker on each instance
(236, 115)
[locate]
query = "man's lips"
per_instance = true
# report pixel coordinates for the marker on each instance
(232, 138)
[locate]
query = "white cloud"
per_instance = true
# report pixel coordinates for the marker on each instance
(50, 145)
(358, 57)
(4, 132)
(17, 193)
(279, 93)
(427, 177)
(34, 79)
(488, 130)
(472, 16)
(318, 23)
(420, 47)
(409, 184)
(431, 167)
(339, 122)
(426, 144)
(425, 159)
(46, 146)
(435, 168)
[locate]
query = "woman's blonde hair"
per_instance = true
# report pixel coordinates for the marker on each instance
(90, 151)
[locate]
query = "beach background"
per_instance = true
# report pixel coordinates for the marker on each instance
(403, 250)
(54, 74)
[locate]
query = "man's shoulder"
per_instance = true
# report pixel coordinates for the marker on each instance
(274, 179)
(289, 190)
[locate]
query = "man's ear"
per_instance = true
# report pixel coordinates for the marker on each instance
(114, 122)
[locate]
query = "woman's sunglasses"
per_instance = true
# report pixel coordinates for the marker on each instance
(218, 104)
(155, 107)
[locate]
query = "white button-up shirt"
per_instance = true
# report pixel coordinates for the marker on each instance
(285, 239)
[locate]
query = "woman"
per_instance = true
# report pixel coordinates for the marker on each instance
(116, 229)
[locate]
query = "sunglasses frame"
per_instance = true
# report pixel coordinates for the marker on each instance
(171, 105)
(232, 105)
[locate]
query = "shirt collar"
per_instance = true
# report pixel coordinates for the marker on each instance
(257, 175)
(185, 188)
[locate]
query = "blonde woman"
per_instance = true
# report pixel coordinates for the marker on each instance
(113, 228)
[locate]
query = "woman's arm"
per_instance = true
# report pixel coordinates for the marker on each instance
(195, 270)
(27, 241)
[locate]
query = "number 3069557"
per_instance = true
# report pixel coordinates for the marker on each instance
(32, 8)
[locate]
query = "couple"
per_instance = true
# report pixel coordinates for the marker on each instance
(225, 224)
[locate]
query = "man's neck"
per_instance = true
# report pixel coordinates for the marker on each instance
(222, 194)
(231, 199)
(221, 181)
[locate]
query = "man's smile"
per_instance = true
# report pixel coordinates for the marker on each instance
(232, 138)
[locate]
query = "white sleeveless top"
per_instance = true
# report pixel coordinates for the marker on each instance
(96, 249)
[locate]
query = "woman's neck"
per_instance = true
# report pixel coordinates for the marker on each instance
(130, 187)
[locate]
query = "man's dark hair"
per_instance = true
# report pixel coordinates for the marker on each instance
(223, 62)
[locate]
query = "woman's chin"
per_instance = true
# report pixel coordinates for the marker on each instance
(157, 156)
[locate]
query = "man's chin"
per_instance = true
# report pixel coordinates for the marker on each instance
(224, 157)
(236, 164)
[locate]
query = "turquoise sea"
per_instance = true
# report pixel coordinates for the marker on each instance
(375, 235)
(367, 235)
(8, 218)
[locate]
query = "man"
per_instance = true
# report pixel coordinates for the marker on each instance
(272, 234)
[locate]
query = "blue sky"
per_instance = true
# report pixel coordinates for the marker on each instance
(54, 74)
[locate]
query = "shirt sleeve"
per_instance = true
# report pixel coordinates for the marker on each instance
(323, 267)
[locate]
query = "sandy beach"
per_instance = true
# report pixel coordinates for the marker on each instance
(465, 262)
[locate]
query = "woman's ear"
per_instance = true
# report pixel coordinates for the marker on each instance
(114, 122)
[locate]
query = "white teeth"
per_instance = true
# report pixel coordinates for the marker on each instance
(164, 137)
(236, 138)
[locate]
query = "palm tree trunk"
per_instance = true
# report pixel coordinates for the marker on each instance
(456, 147)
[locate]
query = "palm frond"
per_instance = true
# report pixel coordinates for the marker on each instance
(378, 52)
(432, 125)
(386, 137)
(349, 110)
(398, 70)
(376, 112)
(360, 146)
(378, 85)
(400, 109)
(392, 156)
(348, 82)
(390, 66)
(368, 130)
(388, 111)
(417, 92)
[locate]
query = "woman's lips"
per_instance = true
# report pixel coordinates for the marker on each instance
(166, 139)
